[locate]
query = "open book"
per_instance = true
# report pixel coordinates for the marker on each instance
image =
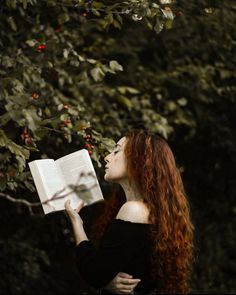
(64, 176)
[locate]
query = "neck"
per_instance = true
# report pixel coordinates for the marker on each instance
(131, 192)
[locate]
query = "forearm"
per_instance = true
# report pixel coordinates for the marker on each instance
(79, 233)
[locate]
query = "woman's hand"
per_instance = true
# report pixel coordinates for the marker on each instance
(122, 283)
(73, 214)
(77, 222)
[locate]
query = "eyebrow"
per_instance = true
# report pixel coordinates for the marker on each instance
(117, 144)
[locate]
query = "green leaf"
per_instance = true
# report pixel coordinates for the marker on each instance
(125, 89)
(4, 119)
(114, 65)
(81, 58)
(66, 53)
(3, 183)
(12, 146)
(97, 74)
(11, 4)
(91, 60)
(107, 144)
(125, 101)
(7, 62)
(63, 18)
(30, 186)
(182, 101)
(116, 24)
(31, 42)
(25, 3)
(168, 24)
(32, 119)
(96, 157)
(12, 23)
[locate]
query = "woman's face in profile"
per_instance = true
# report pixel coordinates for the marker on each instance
(116, 169)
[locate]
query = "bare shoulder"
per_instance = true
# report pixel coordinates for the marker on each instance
(134, 211)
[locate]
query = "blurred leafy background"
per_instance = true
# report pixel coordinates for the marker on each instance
(77, 74)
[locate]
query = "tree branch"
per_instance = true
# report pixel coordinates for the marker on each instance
(58, 195)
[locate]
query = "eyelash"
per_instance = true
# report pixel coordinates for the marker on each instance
(115, 152)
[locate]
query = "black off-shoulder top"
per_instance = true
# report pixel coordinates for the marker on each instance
(125, 247)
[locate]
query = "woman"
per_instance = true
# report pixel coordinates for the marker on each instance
(146, 230)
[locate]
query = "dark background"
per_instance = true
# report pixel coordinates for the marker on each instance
(186, 75)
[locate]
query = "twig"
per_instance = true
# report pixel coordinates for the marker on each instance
(56, 196)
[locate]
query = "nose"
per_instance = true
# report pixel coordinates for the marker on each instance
(106, 159)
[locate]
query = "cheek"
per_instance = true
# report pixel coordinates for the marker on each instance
(120, 167)
(119, 162)
(123, 167)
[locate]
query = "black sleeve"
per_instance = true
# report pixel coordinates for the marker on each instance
(99, 266)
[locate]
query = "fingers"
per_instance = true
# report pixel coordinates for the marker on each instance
(127, 290)
(129, 281)
(80, 206)
(69, 208)
(123, 283)
(125, 275)
(127, 285)
(67, 205)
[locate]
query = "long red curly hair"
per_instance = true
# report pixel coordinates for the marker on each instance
(151, 166)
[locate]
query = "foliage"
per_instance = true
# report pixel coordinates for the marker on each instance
(20, 270)
(53, 80)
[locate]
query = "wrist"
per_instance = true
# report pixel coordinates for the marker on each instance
(77, 223)
(79, 233)
(76, 219)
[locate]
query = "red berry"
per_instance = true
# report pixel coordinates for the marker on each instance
(28, 141)
(87, 145)
(179, 13)
(67, 122)
(35, 95)
(41, 47)
(24, 134)
(10, 173)
(90, 152)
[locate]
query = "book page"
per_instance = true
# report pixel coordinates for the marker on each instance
(48, 181)
(77, 169)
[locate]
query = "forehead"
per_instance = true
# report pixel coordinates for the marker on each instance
(121, 141)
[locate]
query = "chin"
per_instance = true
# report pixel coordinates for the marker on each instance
(106, 177)
(109, 179)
